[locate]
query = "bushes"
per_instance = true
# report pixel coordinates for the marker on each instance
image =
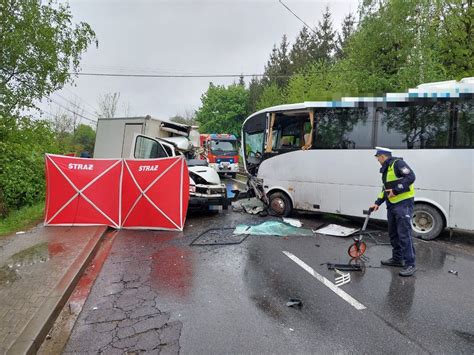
(22, 148)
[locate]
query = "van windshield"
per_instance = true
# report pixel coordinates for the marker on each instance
(222, 147)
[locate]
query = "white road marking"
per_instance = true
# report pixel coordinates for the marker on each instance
(345, 296)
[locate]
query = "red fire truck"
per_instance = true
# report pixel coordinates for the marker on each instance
(221, 152)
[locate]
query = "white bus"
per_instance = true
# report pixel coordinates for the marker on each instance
(318, 156)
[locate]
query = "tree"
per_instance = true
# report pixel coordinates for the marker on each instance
(63, 126)
(348, 28)
(39, 48)
(108, 105)
(312, 85)
(456, 37)
(325, 38)
(223, 109)
(84, 138)
(188, 118)
(278, 69)
(255, 91)
(272, 95)
(304, 51)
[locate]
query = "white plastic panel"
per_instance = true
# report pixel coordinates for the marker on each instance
(462, 210)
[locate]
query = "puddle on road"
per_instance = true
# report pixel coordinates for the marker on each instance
(9, 273)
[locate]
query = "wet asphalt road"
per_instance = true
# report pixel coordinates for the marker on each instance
(157, 293)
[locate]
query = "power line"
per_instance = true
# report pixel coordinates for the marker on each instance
(304, 23)
(76, 105)
(73, 112)
(171, 75)
(150, 75)
(81, 99)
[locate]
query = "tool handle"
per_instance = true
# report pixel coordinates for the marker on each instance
(368, 212)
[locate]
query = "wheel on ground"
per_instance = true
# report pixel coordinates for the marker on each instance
(427, 222)
(356, 250)
(280, 204)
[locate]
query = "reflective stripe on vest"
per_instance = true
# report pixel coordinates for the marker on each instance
(392, 177)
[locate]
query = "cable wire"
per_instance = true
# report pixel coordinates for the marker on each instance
(73, 112)
(304, 23)
(76, 105)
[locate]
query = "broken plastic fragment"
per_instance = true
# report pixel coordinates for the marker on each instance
(342, 278)
(294, 222)
(336, 230)
(454, 272)
(294, 302)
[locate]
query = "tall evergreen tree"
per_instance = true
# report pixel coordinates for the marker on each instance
(255, 91)
(325, 38)
(278, 69)
(304, 50)
(347, 29)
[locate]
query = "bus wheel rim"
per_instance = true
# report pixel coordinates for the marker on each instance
(278, 205)
(423, 222)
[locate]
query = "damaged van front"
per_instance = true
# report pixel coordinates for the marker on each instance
(206, 191)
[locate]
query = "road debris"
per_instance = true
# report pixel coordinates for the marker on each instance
(20, 232)
(274, 228)
(294, 222)
(341, 278)
(336, 230)
(219, 236)
(344, 267)
(249, 205)
(294, 302)
(454, 272)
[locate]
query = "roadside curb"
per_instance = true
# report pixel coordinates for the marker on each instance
(38, 327)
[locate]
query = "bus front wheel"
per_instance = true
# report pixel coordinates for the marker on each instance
(427, 222)
(280, 204)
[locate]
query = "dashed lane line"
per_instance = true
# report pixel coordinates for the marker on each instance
(344, 295)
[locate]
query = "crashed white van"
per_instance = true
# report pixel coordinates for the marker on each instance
(150, 138)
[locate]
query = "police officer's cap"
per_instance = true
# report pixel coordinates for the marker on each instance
(383, 151)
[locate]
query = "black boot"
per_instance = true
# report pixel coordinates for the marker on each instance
(407, 271)
(391, 262)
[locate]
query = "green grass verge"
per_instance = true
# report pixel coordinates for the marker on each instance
(22, 219)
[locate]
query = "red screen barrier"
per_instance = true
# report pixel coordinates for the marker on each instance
(149, 194)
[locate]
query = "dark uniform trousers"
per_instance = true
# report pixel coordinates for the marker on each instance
(399, 217)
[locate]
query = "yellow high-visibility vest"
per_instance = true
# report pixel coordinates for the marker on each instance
(392, 177)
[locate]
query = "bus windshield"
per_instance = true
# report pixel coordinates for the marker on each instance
(223, 147)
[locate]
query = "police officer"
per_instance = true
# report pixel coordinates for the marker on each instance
(398, 193)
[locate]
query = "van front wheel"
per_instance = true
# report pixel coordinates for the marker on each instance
(427, 222)
(280, 204)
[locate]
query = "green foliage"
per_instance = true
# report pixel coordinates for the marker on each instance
(279, 69)
(396, 45)
(39, 47)
(22, 179)
(272, 95)
(84, 138)
(223, 109)
(22, 218)
(312, 85)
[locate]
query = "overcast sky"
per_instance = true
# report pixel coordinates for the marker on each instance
(181, 37)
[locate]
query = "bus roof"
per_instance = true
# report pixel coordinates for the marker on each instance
(442, 89)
